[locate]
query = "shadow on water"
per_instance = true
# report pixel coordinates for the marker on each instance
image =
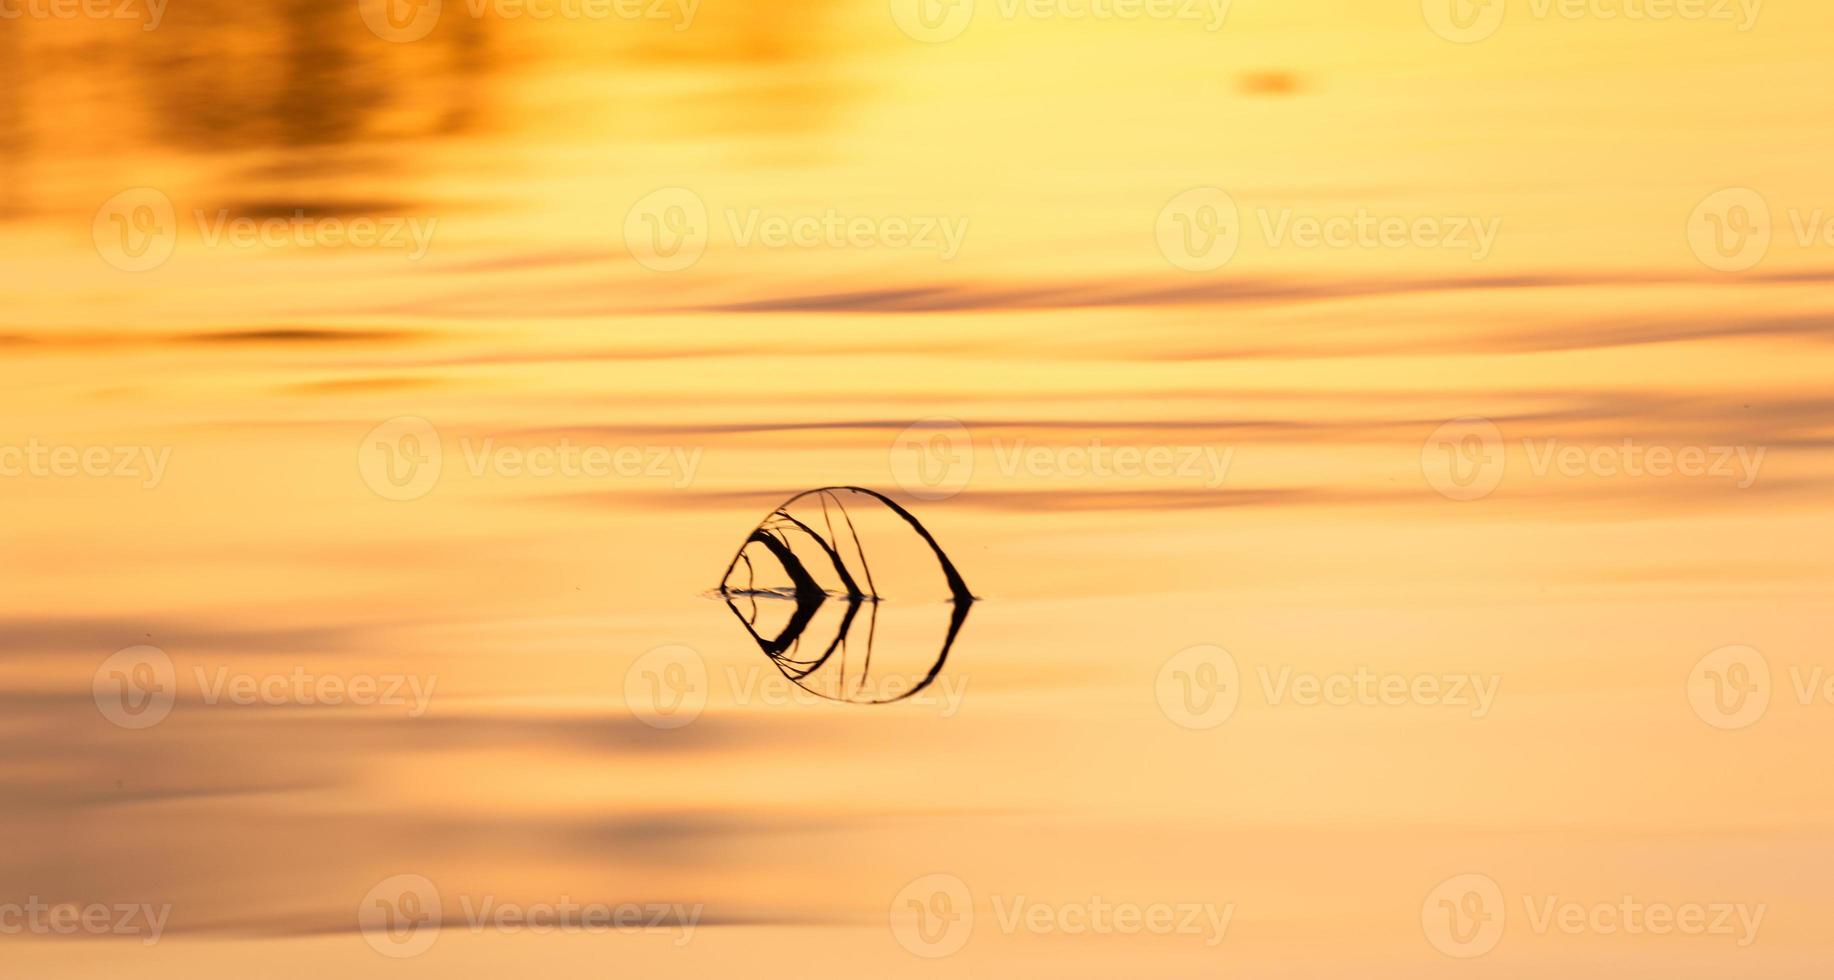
(299, 100)
(309, 75)
(803, 575)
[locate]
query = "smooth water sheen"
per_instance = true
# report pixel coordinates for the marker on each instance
(1162, 459)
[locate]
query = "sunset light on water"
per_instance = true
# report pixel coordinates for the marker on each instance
(1038, 488)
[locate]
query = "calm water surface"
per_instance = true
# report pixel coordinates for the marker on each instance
(1298, 527)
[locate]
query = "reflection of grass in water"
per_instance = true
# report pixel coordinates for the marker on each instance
(825, 547)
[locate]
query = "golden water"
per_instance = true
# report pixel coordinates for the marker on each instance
(1048, 763)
